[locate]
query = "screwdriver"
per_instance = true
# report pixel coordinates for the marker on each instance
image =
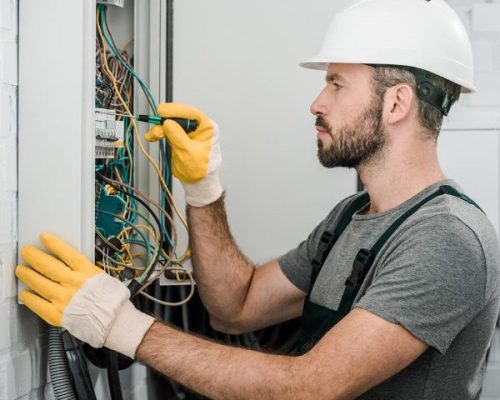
(189, 125)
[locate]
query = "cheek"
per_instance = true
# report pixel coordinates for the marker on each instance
(342, 116)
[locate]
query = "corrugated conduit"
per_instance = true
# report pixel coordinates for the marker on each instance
(60, 375)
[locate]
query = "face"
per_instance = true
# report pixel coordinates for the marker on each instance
(348, 113)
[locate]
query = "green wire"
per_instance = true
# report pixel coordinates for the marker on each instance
(117, 54)
(129, 224)
(151, 99)
(157, 248)
(164, 196)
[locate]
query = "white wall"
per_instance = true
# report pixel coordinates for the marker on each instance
(242, 69)
(481, 110)
(238, 61)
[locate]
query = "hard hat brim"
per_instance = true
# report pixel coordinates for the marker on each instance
(322, 63)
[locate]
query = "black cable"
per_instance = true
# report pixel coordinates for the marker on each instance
(113, 375)
(112, 357)
(134, 287)
(155, 217)
(76, 360)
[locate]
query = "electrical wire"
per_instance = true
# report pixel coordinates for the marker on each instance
(136, 130)
(179, 303)
(111, 43)
(120, 259)
(172, 241)
(149, 269)
(127, 223)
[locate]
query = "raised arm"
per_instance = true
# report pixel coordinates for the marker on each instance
(238, 295)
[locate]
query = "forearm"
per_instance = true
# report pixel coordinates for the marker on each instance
(223, 274)
(223, 372)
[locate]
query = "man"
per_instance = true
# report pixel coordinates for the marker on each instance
(398, 286)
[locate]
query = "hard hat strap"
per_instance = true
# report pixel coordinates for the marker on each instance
(426, 90)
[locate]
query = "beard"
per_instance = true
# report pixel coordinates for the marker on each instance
(356, 144)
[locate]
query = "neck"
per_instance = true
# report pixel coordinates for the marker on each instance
(398, 175)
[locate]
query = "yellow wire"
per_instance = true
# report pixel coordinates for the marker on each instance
(118, 269)
(128, 211)
(127, 231)
(187, 254)
(149, 229)
(126, 246)
(136, 130)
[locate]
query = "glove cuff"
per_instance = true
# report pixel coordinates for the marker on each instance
(128, 330)
(93, 308)
(204, 192)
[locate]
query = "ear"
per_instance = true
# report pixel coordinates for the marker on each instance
(398, 103)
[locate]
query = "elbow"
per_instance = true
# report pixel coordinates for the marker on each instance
(228, 327)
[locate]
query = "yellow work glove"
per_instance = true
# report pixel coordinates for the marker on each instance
(72, 293)
(196, 158)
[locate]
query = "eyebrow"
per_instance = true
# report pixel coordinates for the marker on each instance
(335, 77)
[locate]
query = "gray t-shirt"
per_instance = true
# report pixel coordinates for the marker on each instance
(438, 276)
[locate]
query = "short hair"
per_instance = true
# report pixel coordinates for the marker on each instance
(429, 117)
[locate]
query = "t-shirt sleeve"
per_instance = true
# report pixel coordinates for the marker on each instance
(296, 263)
(433, 281)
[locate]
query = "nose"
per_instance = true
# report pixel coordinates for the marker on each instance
(319, 106)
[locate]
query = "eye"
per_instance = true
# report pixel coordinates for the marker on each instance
(336, 85)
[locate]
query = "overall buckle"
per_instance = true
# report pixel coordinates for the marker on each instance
(360, 267)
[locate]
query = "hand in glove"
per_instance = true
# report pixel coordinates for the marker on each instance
(196, 158)
(72, 293)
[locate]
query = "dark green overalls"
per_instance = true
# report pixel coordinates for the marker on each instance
(317, 320)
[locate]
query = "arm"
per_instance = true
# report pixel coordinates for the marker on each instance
(238, 296)
(358, 353)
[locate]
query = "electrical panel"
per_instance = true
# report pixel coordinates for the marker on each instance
(135, 232)
(85, 171)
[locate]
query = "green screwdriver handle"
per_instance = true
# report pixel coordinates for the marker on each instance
(189, 125)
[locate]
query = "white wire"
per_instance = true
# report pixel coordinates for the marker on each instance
(179, 303)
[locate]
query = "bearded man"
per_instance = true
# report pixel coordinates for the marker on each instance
(398, 287)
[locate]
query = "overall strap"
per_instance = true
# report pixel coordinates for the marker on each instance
(328, 238)
(446, 189)
(365, 258)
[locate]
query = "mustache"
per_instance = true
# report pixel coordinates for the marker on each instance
(323, 123)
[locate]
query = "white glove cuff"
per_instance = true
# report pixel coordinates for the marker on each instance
(128, 330)
(204, 192)
(92, 310)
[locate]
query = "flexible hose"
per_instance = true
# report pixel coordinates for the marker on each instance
(60, 375)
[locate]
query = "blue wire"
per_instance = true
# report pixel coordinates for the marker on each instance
(152, 100)
(133, 226)
(117, 54)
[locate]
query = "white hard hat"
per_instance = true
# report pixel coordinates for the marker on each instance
(424, 34)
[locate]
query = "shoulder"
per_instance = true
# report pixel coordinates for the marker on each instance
(341, 206)
(449, 236)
